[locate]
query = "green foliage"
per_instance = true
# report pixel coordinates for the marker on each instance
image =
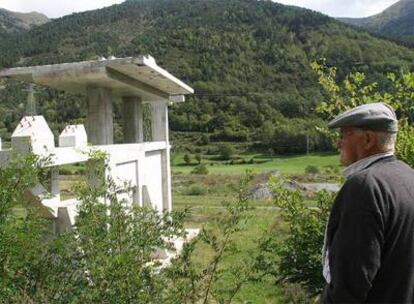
(225, 151)
(395, 22)
(196, 190)
(247, 60)
(311, 169)
(297, 258)
(200, 169)
(355, 91)
(198, 158)
(215, 283)
(22, 231)
(187, 159)
(110, 255)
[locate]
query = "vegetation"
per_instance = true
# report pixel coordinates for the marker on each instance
(395, 22)
(247, 60)
(258, 163)
(355, 90)
(297, 257)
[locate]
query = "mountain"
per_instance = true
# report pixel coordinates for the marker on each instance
(396, 22)
(248, 60)
(12, 22)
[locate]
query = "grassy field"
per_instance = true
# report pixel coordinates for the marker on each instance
(204, 196)
(295, 164)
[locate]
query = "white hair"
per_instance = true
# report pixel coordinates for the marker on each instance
(387, 141)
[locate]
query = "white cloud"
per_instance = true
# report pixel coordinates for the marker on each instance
(55, 8)
(343, 8)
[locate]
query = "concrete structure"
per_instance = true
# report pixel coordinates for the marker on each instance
(144, 165)
(73, 136)
(32, 134)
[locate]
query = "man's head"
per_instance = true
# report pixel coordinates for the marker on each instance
(364, 131)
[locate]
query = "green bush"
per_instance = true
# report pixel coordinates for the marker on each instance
(200, 169)
(311, 169)
(297, 258)
(226, 151)
(196, 189)
(109, 255)
(187, 159)
(65, 171)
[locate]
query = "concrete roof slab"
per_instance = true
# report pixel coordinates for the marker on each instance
(140, 77)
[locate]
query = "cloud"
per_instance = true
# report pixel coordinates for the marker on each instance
(343, 8)
(55, 8)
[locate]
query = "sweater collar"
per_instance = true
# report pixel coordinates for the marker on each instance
(364, 163)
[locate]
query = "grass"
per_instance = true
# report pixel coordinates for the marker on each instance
(295, 164)
(205, 212)
(221, 185)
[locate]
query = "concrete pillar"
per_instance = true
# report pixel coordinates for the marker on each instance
(54, 181)
(160, 133)
(133, 120)
(159, 121)
(100, 118)
(166, 180)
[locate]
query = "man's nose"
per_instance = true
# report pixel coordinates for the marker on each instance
(338, 144)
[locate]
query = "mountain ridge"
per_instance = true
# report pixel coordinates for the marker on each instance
(396, 21)
(11, 22)
(249, 61)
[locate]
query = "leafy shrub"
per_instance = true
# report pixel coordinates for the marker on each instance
(311, 169)
(297, 258)
(200, 169)
(65, 171)
(198, 158)
(187, 159)
(226, 151)
(196, 190)
(109, 255)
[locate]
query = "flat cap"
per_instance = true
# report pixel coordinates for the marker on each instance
(372, 116)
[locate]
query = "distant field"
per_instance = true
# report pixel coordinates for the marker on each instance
(204, 196)
(295, 164)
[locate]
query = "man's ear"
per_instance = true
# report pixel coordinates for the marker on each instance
(370, 140)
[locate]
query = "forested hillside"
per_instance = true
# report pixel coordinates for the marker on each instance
(12, 22)
(396, 22)
(248, 60)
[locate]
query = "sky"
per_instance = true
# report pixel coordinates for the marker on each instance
(333, 8)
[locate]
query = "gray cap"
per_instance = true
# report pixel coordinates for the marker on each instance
(372, 116)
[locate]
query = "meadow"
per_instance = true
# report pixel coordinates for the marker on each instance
(206, 195)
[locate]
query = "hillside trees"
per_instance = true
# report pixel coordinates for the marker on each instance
(297, 258)
(110, 255)
(247, 60)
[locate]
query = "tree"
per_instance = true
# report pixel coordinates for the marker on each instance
(355, 90)
(198, 158)
(110, 254)
(187, 159)
(226, 151)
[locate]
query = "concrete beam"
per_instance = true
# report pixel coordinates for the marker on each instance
(125, 79)
(133, 116)
(159, 126)
(100, 117)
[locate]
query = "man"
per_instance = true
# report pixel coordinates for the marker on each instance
(369, 246)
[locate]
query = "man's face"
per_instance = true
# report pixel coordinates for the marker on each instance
(350, 145)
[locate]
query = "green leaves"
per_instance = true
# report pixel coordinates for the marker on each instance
(355, 91)
(297, 257)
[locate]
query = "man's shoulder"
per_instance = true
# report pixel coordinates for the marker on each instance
(389, 169)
